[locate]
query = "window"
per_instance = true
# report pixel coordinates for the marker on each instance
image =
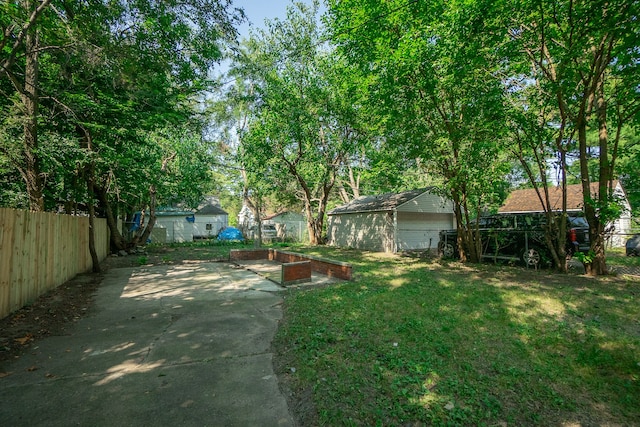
(209, 227)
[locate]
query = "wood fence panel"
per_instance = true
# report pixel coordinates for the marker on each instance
(18, 267)
(7, 225)
(40, 251)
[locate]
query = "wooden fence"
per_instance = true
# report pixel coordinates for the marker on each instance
(40, 251)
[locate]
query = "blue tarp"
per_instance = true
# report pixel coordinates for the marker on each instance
(136, 221)
(230, 233)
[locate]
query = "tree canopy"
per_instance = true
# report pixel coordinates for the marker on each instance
(113, 104)
(91, 91)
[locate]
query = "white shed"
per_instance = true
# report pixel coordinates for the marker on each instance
(178, 223)
(289, 225)
(209, 221)
(391, 222)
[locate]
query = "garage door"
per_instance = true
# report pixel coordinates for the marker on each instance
(420, 230)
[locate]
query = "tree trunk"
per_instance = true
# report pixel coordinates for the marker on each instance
(31, 172)
(596, 229)
(314, 227)
(354, 185)
(457, 210)
(599, 264)
(314, 224)
(142, 238)
(118, 242)
(255, 206)
(468, 240)
(92, 214)
(146, 232)
(258, 242)
(89, 176)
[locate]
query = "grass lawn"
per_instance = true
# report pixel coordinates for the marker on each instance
(616, 258)
(414, 341)
(203, 250)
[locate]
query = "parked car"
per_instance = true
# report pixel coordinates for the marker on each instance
(518, 237)
(633, 245)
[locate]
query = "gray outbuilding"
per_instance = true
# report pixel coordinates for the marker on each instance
(289, 225)
(391, 222)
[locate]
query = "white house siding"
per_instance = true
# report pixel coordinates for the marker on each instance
(419, 230)
(296, 230)
(420, 220)
(290, 225)
(621, 226)
(427, 202)
(621, 231)
(178, 229)
(368, 231)
(158, 234)
(216, 222)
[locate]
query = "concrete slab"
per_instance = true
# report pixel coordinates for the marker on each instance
(166, 345)
(271, 270)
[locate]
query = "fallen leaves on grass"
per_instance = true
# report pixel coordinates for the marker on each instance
(24, 339)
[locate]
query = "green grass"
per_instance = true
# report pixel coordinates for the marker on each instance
(205, 250)
(414, 342)
(617, 257)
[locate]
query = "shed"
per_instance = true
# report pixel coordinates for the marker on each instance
(289, 225)
(526, 200)
(177, 222)
(391, 222)
(209, 220)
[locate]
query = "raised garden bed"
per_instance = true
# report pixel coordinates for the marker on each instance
(296, 268)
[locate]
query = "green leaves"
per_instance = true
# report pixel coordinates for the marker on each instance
(303, 122)
(433, 83)
(119, 72)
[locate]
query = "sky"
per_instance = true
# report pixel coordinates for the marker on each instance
(259, 10)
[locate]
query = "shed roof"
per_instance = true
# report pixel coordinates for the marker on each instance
(171, 211)
(527, 200)
(379, 203)
(277, 214)
(211, 210)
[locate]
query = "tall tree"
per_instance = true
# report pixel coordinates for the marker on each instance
(305, 122)
(577, 52)
(116, 73)
(21, 38)
(433, 83)
(537, 145)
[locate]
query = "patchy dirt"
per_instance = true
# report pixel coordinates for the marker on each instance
(299, 400)
(51, 314)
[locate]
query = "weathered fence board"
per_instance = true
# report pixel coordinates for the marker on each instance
(40, 251)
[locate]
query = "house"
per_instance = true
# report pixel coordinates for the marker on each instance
(245, 218)
(209, 220)
(289, 225)
(177, 223)
(391, 222)
(526, 200)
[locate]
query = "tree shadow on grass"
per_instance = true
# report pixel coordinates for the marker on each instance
(412, 342)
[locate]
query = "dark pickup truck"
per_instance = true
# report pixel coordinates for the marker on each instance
(518, 237)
